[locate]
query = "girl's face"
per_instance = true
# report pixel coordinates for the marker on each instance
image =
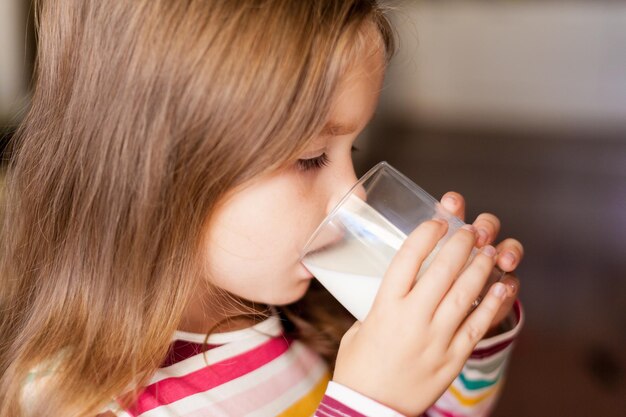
(254, 244)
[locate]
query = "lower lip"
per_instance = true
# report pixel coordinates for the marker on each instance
(303, 272)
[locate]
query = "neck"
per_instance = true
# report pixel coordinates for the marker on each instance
(217, 311)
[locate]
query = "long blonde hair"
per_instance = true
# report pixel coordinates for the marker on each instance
(144, 114)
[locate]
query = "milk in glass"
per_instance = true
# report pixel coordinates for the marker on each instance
(352, 265)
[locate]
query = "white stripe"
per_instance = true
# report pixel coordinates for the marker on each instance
(474, 374)
(271, 326)
(236, 386)
(321, 411)
(359, 402)
(290, 397)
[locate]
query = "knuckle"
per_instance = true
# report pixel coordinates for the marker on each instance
(412, 248)
(491, 219)
(467, 237)
(455, 195)
(460, 301)
(425, 234)
(514, 244)
(428, 227)
(440, 269)
(434, 225)
(511, 245)
(491, 305)
(410, 245)
(484, 263)
(473, 333)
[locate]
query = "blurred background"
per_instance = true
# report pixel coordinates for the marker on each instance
(521, 107)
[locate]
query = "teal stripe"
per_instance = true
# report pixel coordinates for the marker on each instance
(476, 384)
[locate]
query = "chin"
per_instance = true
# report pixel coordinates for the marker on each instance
(291, 295)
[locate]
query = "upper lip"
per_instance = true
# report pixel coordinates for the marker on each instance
(323, 239)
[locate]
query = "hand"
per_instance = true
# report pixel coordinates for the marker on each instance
(510, 251)
(417, 337)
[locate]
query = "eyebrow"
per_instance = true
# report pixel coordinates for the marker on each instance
(339, 129)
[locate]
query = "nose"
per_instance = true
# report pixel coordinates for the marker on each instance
(341, 185)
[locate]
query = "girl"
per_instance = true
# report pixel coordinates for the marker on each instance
(176, 157)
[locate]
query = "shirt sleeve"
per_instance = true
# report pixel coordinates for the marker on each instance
(341, 401)
(473, 393)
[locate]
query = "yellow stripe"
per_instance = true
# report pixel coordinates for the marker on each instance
(307, 405)
(470, 401)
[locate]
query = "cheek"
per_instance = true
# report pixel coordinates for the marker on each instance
(240, 246)
(255, 261)
(254, 244)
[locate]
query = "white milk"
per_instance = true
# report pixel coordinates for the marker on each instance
(352, 269)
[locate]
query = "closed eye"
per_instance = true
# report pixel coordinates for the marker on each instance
(316, 163)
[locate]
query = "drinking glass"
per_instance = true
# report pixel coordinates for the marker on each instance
(352, 248)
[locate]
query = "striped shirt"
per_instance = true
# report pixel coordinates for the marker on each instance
(258, 372)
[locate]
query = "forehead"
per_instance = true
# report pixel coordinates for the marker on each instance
(357, 93)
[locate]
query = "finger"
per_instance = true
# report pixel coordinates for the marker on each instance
(444, 270)
(488, 227)
(512, 289)
(454, 203)
(466, 289)
(510, 254)
(476, 324)
(400, 275)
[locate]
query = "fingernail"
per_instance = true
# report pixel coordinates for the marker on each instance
(511, 288)
(499, 290)
(482, 236)
(469, 227)
(450, 199)
(509, 257)
(489, 250)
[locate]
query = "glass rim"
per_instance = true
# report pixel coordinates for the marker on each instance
(379, 167)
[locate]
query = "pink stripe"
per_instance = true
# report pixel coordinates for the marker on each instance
(490, 351)
(182, 349)
(265, 391)
(443, 412)
(173, 389)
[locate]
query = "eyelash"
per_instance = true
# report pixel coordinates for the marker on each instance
(317, 162)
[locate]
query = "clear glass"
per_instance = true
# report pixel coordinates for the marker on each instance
(352, 248)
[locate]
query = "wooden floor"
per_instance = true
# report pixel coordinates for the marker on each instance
(564, 197)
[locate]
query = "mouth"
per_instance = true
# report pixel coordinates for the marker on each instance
(303, 272)
(324, 238)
